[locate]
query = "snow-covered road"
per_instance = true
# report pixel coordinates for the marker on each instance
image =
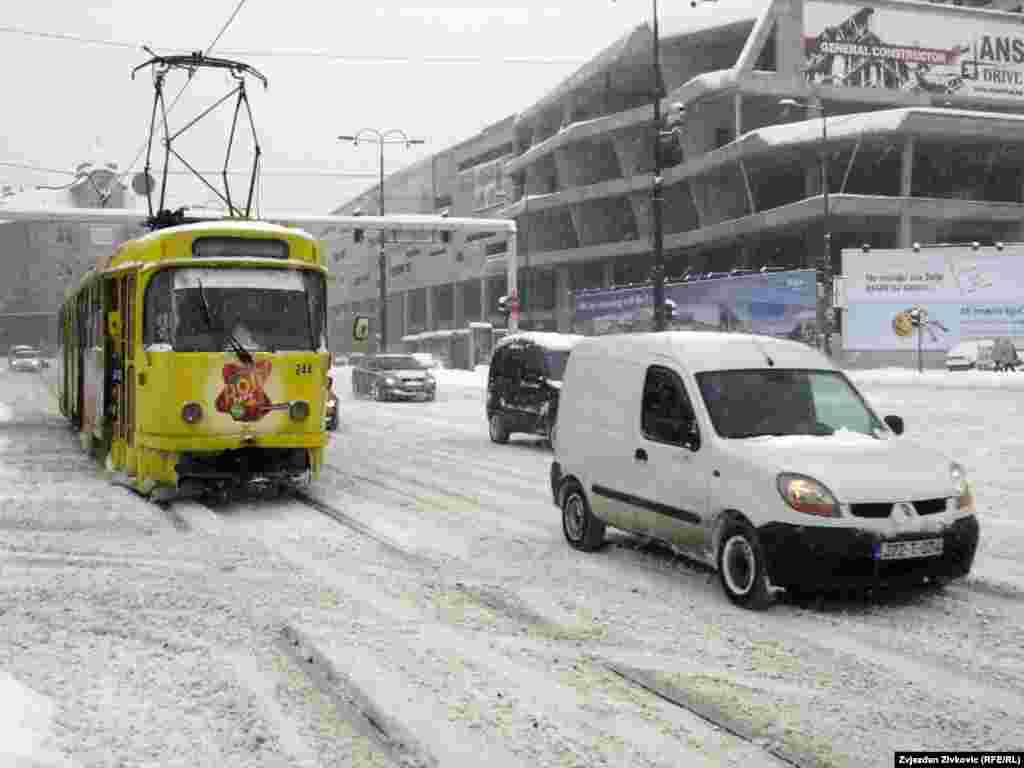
(464, 630)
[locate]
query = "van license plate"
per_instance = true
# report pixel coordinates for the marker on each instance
(903, 550)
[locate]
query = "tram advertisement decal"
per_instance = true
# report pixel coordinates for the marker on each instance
(243, 395)
(967, 294)
(776, 303)
(915, 50)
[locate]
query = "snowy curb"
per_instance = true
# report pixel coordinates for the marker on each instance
(26, 719)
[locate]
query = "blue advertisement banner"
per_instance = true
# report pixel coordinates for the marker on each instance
(775, 303)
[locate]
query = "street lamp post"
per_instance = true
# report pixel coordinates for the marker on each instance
(380, 138)
(824, 266)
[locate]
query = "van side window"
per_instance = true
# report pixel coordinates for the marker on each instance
(667, 414)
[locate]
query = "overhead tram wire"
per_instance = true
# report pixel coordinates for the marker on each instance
(308, 53)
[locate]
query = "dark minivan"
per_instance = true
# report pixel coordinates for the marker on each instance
(524, 382)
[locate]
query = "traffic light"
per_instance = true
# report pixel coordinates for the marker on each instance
(669, 310)
(504, 306)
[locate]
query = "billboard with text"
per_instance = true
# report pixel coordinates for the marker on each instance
(916, 49)
(972, 294)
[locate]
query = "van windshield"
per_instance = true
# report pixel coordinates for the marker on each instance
(754, 403)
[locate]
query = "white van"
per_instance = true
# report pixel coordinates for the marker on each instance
(757, 456)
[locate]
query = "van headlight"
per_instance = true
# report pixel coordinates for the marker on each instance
(964, 496)
(807, 495)
(390, 381)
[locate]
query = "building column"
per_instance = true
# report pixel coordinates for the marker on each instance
(431, 315)
(563, 301)
(483, 299)
(607, 273)
(458, 319)
(406, 311)
(906, 190)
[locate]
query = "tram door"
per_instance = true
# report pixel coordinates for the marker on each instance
(122, 373)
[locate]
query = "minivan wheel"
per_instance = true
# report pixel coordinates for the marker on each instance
(741, 567)
(497, 428)
(582, 530)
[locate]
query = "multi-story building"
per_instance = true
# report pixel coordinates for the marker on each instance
(40, 260)
(923, 141)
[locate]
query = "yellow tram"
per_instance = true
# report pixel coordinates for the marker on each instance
(194, 360)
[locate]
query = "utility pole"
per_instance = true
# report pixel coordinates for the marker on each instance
(657, 201)
(380, 138)
(824, 265)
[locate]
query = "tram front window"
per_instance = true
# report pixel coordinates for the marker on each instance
(266, 310)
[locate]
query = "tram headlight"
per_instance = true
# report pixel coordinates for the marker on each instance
(298, 410)
(192, 413)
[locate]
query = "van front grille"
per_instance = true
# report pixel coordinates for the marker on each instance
(930, 506)
(880, 511)
(877, 511)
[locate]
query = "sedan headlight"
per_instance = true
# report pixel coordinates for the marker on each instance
(390, 381)
(964, 496)
(807, 495)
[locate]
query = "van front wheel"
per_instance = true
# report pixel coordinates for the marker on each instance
(582, 530)
(741, 567)
(496, 424)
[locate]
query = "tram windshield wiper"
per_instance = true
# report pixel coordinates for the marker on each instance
(236, 345)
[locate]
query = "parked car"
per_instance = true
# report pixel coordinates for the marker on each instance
(393, 377)
(968, 355)
(524, 381)
(24, 358)
(331, 407)
(758, 457)
(427, 360)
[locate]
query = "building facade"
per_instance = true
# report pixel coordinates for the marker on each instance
(40, 261)
(912, 111)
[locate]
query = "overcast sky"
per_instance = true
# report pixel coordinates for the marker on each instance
(66, 101)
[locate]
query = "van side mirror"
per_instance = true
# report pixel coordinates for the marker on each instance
(895, 423)
(691, 436)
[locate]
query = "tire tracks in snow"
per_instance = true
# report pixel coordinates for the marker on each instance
(528, 691)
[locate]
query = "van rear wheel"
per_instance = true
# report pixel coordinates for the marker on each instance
(741, 567)
(582, 530)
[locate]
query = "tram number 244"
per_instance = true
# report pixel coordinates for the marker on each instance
(302, 369)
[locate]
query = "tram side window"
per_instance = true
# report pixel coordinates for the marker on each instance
(159, 321)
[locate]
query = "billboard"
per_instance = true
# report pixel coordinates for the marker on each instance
(971, 294)
(913, 49)
(775, 303)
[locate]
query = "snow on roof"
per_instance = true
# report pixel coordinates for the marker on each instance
(712, 351)
(544, 338)
(853, 126)
(242, 225)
